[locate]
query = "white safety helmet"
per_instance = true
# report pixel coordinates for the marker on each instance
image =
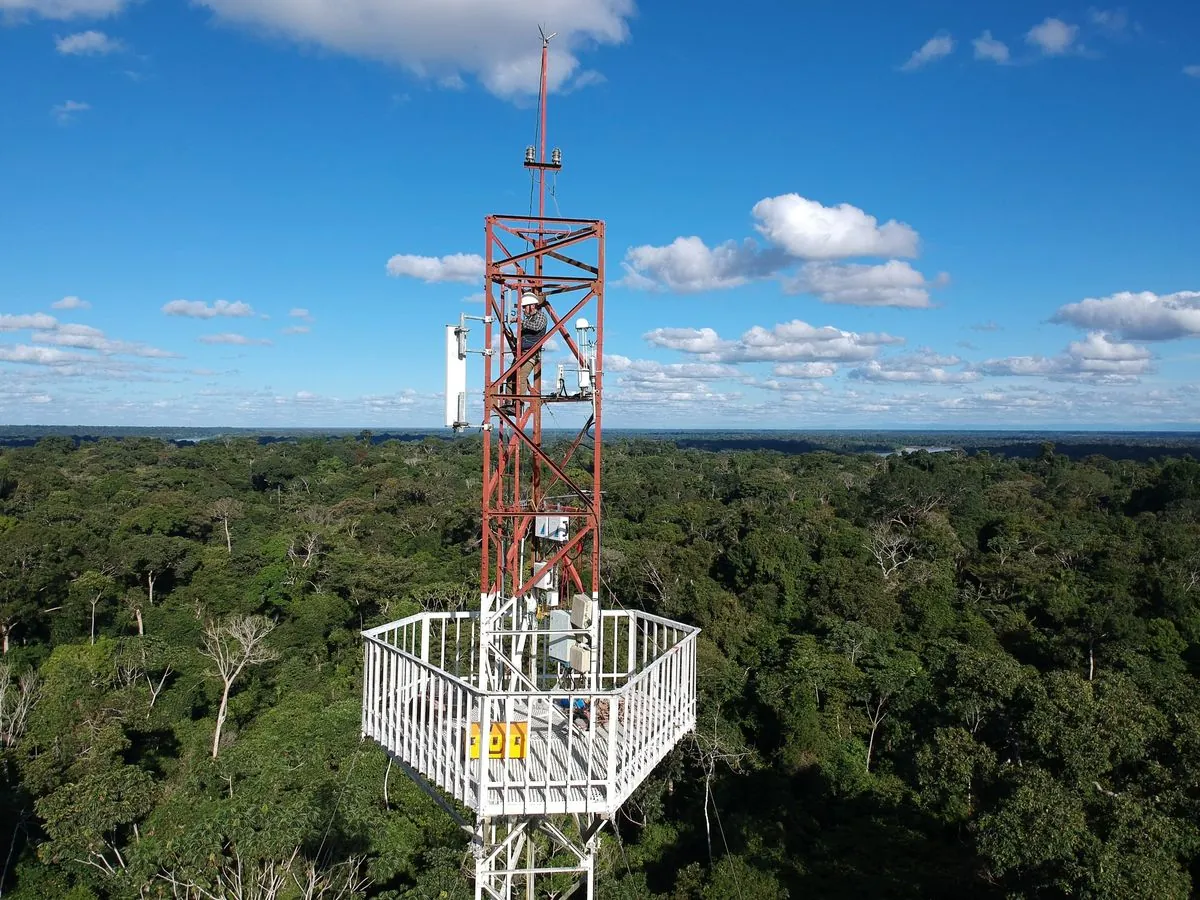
(530, 300)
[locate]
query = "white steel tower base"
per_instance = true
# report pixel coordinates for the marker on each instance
(555, 751)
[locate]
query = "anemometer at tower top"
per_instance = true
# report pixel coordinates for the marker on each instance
(574, 702)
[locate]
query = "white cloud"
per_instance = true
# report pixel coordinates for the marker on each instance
(1097, 358)
(648, 369)
(300, 313)
(885, 371)
(1097, 347)
(23, 322)
(38, 356)
(442, 40)
(935, 48)
(238, 339)
(797, 229)
(296, 329)
(893, 283)
(1053, 37)
(462, 267)
(687, 340)
(986, 326)
(988, 48)
(1143, 316)
(65, 112)
(87, 43)
(70, 303)
(198, 309)
(687, 265)
(1112, 20)
(85, 337)
(1193, 71)
(794, 341)
(805, 370)
(63, 9)
(807, 230)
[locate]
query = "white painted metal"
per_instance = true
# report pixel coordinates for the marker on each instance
(420, 698)
(456, 379)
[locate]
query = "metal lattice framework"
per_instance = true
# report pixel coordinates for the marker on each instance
(542, 712)
(525, 481)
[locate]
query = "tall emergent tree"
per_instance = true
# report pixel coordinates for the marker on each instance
(234, 645)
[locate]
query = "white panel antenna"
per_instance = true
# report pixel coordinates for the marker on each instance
(456, 377)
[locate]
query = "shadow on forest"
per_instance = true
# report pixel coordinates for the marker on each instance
(821, 842)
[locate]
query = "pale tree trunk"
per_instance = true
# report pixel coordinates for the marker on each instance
(221, 713)
(95, 600)
(150, 579)
(137, 612)
(876, 717)
(228, 539)
(232, 646)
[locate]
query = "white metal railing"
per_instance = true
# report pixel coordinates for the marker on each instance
(578, 750)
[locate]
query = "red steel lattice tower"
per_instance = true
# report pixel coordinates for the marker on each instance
(541, 498)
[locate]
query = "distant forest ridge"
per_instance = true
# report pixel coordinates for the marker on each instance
(1140, 445)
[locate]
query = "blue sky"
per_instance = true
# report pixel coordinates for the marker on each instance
(863, 214)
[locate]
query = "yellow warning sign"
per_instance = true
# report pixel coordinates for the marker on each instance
(505, 736)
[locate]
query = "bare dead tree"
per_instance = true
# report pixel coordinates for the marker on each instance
(224, 511)
(306, 550)
(711, 746)
(891, 550)
(17, 698)
(233, 646)
(271, 879)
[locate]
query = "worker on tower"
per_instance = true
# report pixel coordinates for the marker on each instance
(533, 327)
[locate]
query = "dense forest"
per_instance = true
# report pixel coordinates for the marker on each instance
(921, 675)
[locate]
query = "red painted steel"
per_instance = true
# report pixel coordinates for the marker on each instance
(561, 260)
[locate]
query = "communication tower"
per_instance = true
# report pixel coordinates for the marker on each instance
(534, 718)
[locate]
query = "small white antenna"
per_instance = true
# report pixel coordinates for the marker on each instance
(546, 38)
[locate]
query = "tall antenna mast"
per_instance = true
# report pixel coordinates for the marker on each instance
(575, 703)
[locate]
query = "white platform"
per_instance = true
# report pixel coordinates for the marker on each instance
(419, 702)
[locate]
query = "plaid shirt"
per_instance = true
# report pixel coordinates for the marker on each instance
(533, 326)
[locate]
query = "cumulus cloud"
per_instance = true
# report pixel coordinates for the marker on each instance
(805, 370)
(300, 313)
(796, 228)
(296, 329)
(687, 340)
(1097, 358)
(935, 48)
(37, 356)
(1193, 71)
(71, 303)
(990, 49)
(85, 337)
(66, 112)
(794, 341)
(23, 322)
(198, 309)
(901, 371)
(1053, 37)
(807, 230)
(63, 9)
(443, 41)
(894, 283)
(461, 267)
(87, 43)
(229, 338)
(687, 265)
(1142, 316)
